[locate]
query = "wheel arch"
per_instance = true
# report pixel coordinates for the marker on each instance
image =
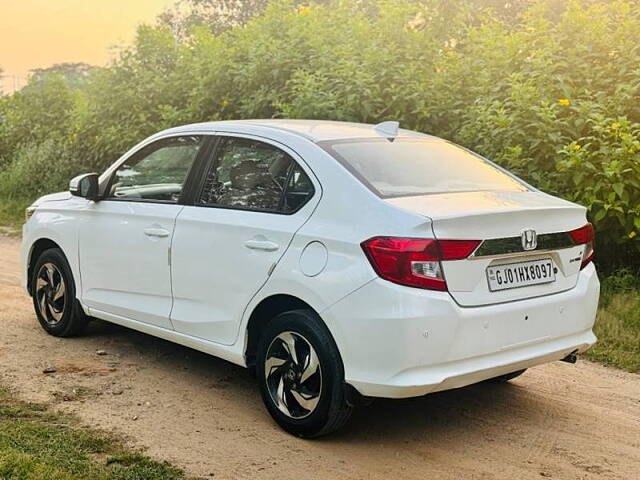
(37, 248)
(267, 309)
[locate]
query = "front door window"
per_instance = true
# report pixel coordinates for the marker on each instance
(156, 173)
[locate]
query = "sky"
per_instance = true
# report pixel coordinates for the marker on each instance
(40, 33)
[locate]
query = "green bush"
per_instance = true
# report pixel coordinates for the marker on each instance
(550, 89)
(37, 169)
(42, 110)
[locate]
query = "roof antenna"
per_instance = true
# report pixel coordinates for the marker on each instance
(388, 129)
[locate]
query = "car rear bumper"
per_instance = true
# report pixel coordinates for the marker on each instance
(399, 342)
(422, 380)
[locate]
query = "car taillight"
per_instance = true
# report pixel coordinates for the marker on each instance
(415, 262)
(585, 236)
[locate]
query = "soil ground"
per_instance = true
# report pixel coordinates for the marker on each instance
(205, 415)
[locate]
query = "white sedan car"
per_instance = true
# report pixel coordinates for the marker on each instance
(340, 261)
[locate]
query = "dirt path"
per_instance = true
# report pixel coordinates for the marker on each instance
(205, 415)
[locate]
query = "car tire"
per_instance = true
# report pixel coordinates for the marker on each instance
(54, 295)
(303, 391)
(507, 376)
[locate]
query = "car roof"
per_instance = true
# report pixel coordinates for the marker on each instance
(314, 130)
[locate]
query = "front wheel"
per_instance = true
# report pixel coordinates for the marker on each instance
(301, 375)
(54, 295)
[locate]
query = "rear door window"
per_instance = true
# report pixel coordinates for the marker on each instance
(253, 175)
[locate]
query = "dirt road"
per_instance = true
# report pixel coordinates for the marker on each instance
(205, 415)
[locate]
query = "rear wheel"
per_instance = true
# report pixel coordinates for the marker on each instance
(301, 375)
(507, 376)
(54, 295)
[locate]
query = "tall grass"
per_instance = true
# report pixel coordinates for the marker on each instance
(618, 322)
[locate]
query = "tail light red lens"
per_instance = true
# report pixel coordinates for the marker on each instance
(457, 249)
(585, 236)
(415, 262)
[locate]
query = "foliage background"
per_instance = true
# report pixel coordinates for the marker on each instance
(548, 88)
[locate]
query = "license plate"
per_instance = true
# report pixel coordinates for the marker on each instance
(521, 274)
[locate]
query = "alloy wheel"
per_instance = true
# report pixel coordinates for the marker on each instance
(293, 375)
(51, 293)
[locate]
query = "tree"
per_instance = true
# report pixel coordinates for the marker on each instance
(75, 74)
(217, 15)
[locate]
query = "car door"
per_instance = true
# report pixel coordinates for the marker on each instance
(124, 239)
(254, 197)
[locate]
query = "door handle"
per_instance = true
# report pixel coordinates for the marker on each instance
(156, 232)
(263, 245)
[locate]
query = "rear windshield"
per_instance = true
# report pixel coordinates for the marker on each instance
(409, 166)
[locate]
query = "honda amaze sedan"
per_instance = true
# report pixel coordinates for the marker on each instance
(339, 261)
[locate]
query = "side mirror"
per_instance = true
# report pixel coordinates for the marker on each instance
(85, 186)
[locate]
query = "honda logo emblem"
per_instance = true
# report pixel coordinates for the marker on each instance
(529, 239)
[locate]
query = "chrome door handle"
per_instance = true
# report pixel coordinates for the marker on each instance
(263, 245)
(156, 232)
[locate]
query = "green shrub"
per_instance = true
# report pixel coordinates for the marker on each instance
(622, 282)
(550, 89)
(37, 169)
(42, 110)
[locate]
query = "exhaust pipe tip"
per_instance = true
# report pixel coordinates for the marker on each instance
(571, 358)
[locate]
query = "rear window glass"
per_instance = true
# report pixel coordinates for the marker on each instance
(408, 167)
